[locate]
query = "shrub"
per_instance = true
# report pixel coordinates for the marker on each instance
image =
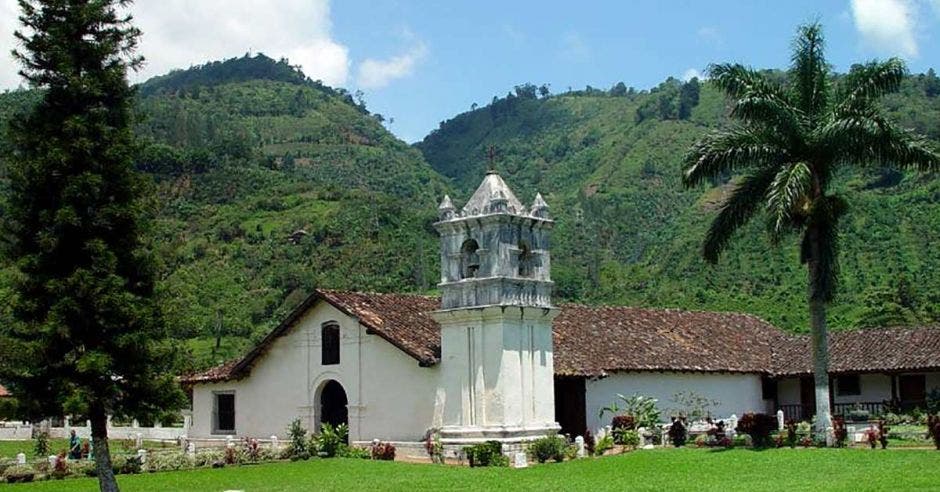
(331, 441)
(435, 447)
(41, 444)
(384, 451)
(933, 429)
(623, 422)
(233, 456)
(251, 449)
(209, 457)
(489, 453)
(759, 426)
(61, 468)
(740, 440)
(839, 432)
(678, 434)
(882, 434)
(297, 449)
(603, 445)
(354, 452)
(630, 438)
(168, 461)
(933, 402)
(791, 434)
(871, 436)
(19, 474)
(857, 415)
(126, 465)
(701, 441)
(548, 447)
(589, 443)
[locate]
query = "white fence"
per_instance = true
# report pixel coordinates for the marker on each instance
(10, 431)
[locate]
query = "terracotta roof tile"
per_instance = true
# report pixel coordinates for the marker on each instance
(592, 341)
(868, 350)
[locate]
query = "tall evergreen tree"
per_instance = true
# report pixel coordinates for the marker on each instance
(88, 337)
(791, 143)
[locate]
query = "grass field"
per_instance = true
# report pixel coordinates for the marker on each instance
(9, 449)
(669, 469)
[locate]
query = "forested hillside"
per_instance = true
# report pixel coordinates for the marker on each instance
(268, 185)
(608, 162)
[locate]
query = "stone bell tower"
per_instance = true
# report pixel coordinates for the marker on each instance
(497, 375)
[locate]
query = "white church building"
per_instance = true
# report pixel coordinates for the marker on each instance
(494, 358)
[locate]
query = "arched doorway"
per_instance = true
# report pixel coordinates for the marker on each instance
(333, 403)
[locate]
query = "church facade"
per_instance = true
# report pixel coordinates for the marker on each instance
(495, 358)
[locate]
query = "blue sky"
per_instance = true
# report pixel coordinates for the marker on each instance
(422, 61)
(475, 50)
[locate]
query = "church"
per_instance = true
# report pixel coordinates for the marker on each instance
(494, 358)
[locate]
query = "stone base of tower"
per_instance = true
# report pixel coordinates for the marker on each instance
(508, 435)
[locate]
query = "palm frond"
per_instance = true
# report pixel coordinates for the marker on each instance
(820, 245)
(744, 201)
(865, 137)
(727, 151)
(757, 99)
(810, 71)
(790, 186)
(868, 82)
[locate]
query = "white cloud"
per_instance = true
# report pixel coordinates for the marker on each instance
(710, 35)
(181, 33)
(574, 48)
(693, 73)
(375, 74)
(886, 25)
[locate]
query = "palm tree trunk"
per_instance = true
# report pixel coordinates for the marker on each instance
(99, 439)
(820, 337)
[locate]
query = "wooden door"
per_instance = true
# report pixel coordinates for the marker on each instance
(913, 390)
(807, 396)
(570, 412)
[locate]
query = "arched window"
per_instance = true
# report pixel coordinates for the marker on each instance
(329, 336)
(469, 259)
(526, 268)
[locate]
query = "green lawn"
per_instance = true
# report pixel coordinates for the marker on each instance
(9, 449)
(670, 469)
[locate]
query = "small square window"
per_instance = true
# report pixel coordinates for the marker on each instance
(848, 385)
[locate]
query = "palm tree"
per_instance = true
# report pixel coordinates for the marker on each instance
(791, 141)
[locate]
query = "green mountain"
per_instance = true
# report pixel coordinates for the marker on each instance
(268, 184)
(627, 233)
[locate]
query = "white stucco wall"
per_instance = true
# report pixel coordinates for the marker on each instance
(736, 393)
(390, 397)
(872, 388)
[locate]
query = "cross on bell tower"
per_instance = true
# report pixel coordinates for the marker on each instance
(497, 371)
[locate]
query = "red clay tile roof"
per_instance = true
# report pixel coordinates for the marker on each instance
(868, 350)
(4, 393)
(593, 341)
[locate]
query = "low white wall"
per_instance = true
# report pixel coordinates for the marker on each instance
(25, 431)
(736, 393)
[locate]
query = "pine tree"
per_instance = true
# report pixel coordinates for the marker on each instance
(88, 337)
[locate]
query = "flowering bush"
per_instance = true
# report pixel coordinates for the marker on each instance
(933, 429)
(839, 432)
(61, 468)
(759, 426)
(251, 449)
(384, 451)
(168, 461)
(678, 433)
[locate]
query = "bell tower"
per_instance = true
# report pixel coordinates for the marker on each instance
(497, 374)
